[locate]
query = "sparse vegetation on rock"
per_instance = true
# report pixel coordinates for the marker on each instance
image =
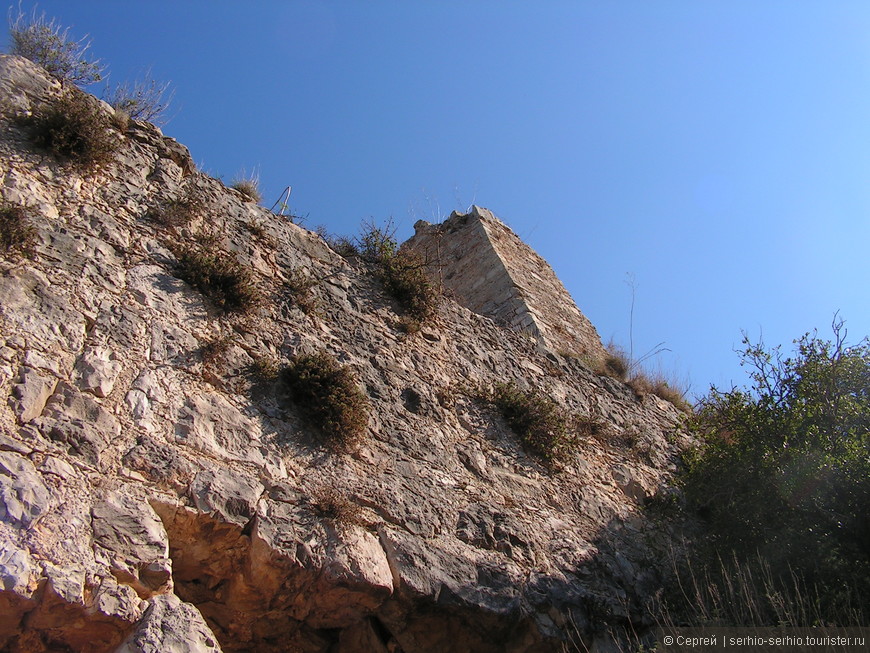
(617, 365)
(219, 275)
(17, 233)
(188, 465)
(402, 272)
(328, 396)
(74, 128)
(299, 287)
(546, 429)
(46, 43)
(266, 369)
(331, 503)
(145, 99)
(180, 211)
(214, 349)
(249, 186)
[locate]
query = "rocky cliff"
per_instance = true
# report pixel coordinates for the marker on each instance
(160, 491)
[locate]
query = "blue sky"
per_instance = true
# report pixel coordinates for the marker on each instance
(718, 153)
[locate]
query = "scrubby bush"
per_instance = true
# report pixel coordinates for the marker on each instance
(330, 503)
(299, 286)
(17, 233)
(617, 365)
(266, 369)
(145, 99)
(215, 349)
(218, 275)
(46, 43)
(74, 128)
(669, 392)
(341, 245)
(783, 468)
(402, 272)
(327, 395)
(544, 427)
(180, 211)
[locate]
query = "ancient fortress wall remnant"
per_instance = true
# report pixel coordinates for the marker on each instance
(489, 270)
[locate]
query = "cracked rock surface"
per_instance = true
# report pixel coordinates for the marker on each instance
(154, 498)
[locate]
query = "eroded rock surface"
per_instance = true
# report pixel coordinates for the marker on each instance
(156, 499)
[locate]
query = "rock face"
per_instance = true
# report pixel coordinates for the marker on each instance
(158, 496)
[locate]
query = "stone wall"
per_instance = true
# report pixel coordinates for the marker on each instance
(489, 270)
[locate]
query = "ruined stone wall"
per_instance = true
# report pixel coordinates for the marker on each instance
(489, 270)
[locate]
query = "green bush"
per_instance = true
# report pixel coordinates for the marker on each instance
(74, 128)
(44, 42)
(327, 395)
(784, 466)
(218, 275)
(17, 233)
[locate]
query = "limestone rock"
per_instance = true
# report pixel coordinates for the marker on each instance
(31, 393)
(98, 369)
(24, 498)
(155, 499)
(132, 541)
(170, 626)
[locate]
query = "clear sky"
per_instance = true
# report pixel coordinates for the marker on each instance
(717, 153)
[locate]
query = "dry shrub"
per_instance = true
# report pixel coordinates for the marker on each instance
(46, 43)
(179, 212)
(328, 396)
(146, 99)
(17, 233)
(544, 427)
(749, 593)
(330, 503)
(215, 349)
(668, 392)
(402, 272)
(249, 186)
(341, 245)
(299, 286)
(615, 363)
(73, 128)
(218, 275)
(266, 368)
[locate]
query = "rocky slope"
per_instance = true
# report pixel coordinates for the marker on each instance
(156, 494)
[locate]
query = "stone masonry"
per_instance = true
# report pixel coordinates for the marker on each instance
(489, 270)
